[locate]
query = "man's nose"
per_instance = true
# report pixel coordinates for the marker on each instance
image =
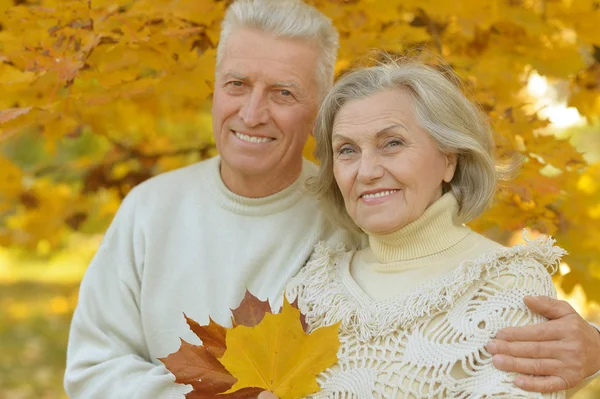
(370, 168)
(255, 110)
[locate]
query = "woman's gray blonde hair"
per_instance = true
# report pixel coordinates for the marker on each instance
(289, 19)
(457, 125)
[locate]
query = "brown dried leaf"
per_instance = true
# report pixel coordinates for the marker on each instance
(302, 316)
(251, 311)
(192, 363)
(212, 336)
(246, 393)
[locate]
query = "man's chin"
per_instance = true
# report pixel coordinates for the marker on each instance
(249, 165)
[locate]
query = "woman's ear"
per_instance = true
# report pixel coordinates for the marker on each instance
(451, 161)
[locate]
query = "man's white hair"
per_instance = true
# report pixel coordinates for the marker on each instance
(286, 19)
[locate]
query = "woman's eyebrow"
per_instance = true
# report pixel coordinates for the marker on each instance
(387, 129)
(340, 137)
(382, 132)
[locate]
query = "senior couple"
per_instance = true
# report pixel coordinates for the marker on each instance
(375, 238)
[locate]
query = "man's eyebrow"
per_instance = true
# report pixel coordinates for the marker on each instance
(235, 75)
(286, 84)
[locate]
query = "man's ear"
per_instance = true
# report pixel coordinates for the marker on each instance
(451, 162)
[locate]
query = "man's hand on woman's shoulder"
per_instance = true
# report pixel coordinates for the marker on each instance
(553, 356)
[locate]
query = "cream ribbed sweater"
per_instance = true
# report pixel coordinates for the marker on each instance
(181, 242)
(418, 307)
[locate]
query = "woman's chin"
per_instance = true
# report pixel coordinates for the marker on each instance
(381, 228)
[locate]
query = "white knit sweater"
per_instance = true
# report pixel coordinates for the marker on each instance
(419, 306)
(181, 242)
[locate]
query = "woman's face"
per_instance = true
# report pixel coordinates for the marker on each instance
(387, 167)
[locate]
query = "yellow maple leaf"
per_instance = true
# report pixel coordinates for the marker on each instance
(278, 356)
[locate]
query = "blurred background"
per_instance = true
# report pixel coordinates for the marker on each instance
(98, 95)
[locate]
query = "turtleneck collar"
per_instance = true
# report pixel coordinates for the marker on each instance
(434, 234)
(271, 204)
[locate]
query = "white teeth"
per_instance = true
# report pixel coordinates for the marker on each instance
(252, 139)
(379, 194)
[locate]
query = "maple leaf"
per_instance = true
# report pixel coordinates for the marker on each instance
(212, 336)
(278, 356)
(12, 113)
(302, 315)
(193, 362)
(251, 311)
(246, 393)
(197, 366)
(287, 366)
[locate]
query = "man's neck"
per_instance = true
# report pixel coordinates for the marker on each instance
(258, 186)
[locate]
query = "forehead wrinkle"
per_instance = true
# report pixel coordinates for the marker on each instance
(372, 124)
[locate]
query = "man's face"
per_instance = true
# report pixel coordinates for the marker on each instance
(264, 105)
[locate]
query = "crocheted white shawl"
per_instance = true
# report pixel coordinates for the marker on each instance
(428, 342)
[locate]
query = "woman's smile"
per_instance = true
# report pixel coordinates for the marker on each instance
(375, 197)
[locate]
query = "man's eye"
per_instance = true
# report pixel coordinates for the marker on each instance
(286, 93)
(235, 83)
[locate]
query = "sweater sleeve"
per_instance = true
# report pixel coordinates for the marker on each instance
(107, 356)
(499, 304)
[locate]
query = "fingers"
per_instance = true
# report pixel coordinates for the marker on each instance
(541, 384)
(547, 331)
(537, 367)
(532, 350)
(549, 307)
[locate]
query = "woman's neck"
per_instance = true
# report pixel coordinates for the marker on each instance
(433, 235)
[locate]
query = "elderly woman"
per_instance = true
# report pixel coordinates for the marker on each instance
(407, 159)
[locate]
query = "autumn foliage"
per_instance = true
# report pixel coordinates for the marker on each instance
(98, 95)
(262, 351)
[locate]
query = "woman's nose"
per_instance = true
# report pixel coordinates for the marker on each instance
(370, 169)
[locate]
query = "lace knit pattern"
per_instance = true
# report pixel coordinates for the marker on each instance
(429, 342)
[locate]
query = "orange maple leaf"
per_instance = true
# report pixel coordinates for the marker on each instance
(212, 336)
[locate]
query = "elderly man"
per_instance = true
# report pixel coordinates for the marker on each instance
(194, 239)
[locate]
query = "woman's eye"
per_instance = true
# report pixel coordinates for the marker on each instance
(394, 143)
(345, 151)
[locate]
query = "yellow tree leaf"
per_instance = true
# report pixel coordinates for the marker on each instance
(278, 356)
(12, 113)
(12, 179)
